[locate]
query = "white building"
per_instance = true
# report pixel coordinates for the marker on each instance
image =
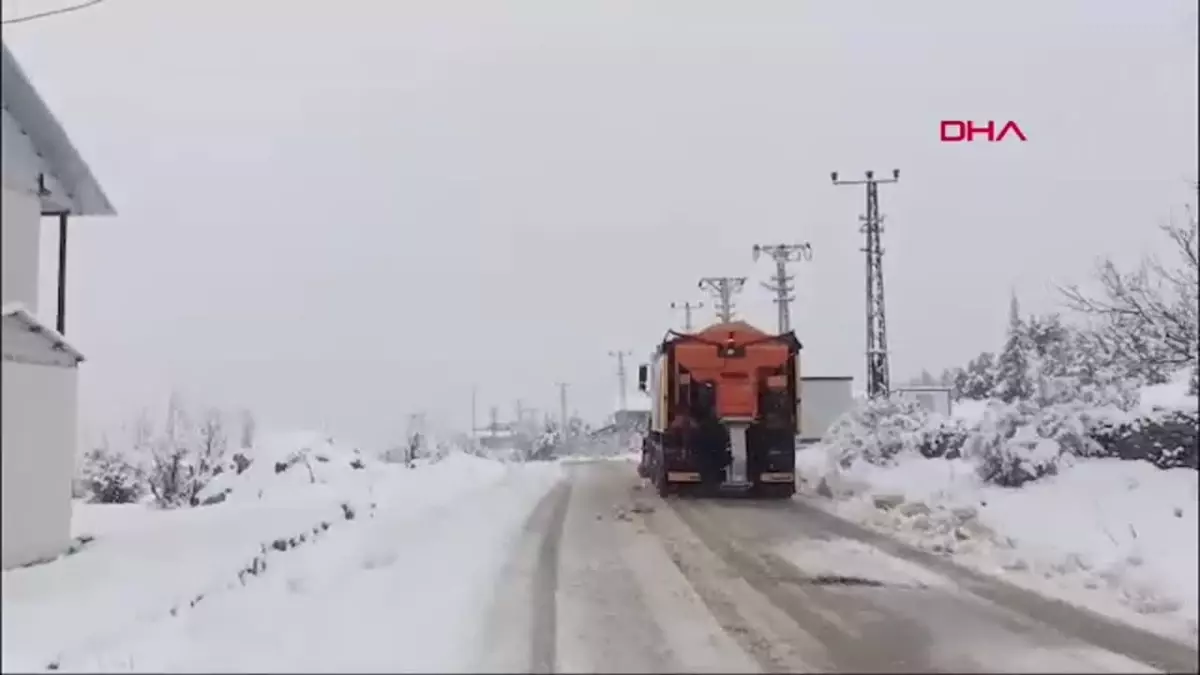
(43, 177)
(934, 398)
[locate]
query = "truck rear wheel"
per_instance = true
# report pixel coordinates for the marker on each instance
(660, 480)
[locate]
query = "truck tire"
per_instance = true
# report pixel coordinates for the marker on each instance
(660, 480)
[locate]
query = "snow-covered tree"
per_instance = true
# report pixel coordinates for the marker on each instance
(110, 476)
(978, 379)
(1146, 320)
(185, 457)
(1050, 354)
(1012, 367)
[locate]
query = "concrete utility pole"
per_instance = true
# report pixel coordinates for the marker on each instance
(562, 406)
(474, 410)
(723, 290)
(687, 308)
(783, 254)
(621, 377)
(878, 376)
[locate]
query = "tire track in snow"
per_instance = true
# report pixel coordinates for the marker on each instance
(744, 610)
(544, 638)
(520, 632)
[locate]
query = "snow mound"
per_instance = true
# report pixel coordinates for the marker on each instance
(283, 464)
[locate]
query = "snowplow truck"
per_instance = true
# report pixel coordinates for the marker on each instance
(724, 409)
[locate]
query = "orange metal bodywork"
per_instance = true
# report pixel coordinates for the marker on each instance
(738, 378)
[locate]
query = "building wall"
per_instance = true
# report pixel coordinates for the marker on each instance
(39, 438)
(822, 402)
(20, 227)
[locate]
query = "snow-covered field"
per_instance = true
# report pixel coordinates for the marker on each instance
(1119, 537)
(238, 586)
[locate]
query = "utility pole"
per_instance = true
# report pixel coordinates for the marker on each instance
(495, 415)
(474, 409)
(723, 290)
(687, 308)
(520, 411)
(621, 377)
(878, 378)
(783, 254)
(562, 406)
(415, 442)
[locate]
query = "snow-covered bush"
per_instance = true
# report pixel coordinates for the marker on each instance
(1168, 440)
(877, 430)
(943, 437)
(109, 477)
(1008, 450)
(547, 444)
(175, 463)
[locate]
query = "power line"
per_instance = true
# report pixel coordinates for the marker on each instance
(52, 12)
(878, 376)
(783, 254)
(723, 290)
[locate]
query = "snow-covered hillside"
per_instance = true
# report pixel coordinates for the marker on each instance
(238, 585)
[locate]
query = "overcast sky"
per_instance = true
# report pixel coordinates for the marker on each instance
(337, 213)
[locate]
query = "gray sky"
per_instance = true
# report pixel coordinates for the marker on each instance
(338, 213)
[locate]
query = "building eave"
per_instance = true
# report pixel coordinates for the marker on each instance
(50, 140)
(14, 316)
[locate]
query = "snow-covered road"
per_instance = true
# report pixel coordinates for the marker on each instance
(643, 585)
(474, 565)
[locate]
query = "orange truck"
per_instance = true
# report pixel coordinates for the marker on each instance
(724, 409)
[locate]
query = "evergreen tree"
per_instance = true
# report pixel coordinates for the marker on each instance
(978, 379)
(1012, 368)
(1050, 355)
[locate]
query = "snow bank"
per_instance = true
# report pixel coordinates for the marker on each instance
(144, 569)
(1091, 501)
(1117, 536)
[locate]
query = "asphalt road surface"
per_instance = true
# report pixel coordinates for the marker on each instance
(608, 577)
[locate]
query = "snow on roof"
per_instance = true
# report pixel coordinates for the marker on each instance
(25, 105)
(27, 340)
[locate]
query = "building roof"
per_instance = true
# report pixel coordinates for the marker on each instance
(50, 141)
(27, 340)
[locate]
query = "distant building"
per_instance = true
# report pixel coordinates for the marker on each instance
(498, 438)
(43, 177)
(934, 398)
